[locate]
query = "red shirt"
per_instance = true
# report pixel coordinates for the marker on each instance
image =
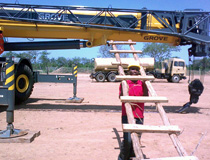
(135, 89)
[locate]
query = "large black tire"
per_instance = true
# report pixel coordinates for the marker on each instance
(175, 78)
(100, 77)
(24, 83)
(111, 77)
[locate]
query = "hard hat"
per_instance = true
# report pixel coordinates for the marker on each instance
(134, 65)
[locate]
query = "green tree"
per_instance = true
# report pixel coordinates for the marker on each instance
(86, 63)
(32, 55)
(201, 64)
(44, 60)
(62, 62)
(77, 61)
(53, 62)
(41, 60)
(159, 51)
(70, 62)
(104, 52)
(9, 54)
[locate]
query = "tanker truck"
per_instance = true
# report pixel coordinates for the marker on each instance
(173, 69)
(106, 68)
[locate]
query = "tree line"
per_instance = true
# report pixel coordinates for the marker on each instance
(41, 61)
(159, 51)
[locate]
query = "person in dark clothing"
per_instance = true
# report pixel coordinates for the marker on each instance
(195, 89)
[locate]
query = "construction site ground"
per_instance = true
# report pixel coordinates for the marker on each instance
(91, 130)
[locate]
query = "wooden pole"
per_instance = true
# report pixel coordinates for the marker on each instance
(134, 136)
(181, 151)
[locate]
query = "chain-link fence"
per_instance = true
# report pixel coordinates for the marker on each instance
(198, 72)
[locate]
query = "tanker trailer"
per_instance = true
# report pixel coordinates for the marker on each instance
(106, 68)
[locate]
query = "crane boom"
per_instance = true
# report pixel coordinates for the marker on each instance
(99, 25)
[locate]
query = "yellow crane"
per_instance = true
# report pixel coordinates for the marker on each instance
(99, 25)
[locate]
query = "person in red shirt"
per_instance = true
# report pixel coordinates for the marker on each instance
(136, 88)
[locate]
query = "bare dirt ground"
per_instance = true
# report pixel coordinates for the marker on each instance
(91, 130)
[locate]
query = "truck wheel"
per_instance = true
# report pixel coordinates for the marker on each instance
(24, 83)
(175, 79)
(111, 77)
(100, 77)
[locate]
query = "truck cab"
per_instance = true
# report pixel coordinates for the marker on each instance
(173, 69)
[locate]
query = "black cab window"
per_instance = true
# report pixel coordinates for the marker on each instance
(181, 64)
(176, 63)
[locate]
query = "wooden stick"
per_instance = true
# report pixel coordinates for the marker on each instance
(129, 77)
(199, 143)
(151, 129)
(124, 51)
(135, 139)
(144, 99)
(181, 151)
(122, 43)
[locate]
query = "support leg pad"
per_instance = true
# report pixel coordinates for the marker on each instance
(28, 138)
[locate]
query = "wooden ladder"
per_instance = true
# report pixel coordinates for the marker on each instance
(172, 131)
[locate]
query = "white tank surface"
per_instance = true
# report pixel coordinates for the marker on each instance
(106, 64)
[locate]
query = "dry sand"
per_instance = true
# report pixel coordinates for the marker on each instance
(91, 130)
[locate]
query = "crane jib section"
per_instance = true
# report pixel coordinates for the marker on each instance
(101, 24)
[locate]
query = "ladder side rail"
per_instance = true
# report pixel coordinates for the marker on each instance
(134, 136)
(181, 151)
(120, 68)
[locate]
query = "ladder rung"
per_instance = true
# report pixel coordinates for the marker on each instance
(118, 63)
(143, 99)
(151, 129)
(125, 51)
(171, 158)
(144, 78)
(122, 43)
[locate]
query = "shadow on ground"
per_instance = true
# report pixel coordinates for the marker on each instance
(174, 109)
(62, 106)
(120, 142)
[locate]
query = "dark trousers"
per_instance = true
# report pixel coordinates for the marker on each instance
(126, 151)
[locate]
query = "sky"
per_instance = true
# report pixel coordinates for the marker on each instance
(93, 52)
